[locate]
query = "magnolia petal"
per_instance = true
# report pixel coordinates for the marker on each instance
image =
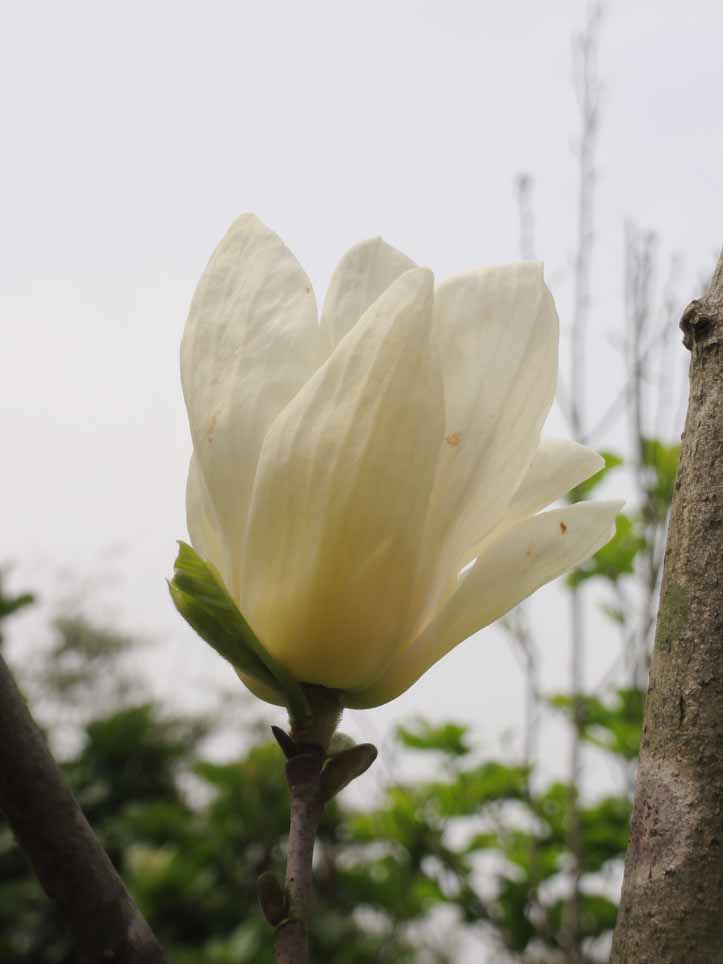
(362, 275)
(497, 332)
(557, 466)
(200, 519)
(260, 690)
(513, 564)
(251, 341)
(343, 480)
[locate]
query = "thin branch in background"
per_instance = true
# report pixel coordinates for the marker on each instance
(667, 421)
(621, 401)
(647, 397)
(705, 279)
(588, 89)
(517, 623)
(523, 193)
(523, 188)
(650, 418)
(639, 276)
(71, 865)
(640, 258)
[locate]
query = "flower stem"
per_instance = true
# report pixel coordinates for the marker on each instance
(303, 775)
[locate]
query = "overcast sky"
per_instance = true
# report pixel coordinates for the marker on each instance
(134, 132)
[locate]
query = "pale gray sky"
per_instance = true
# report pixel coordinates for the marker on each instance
(134, 132)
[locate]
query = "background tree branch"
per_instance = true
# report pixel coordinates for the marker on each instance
(672, 899)
(72, 867)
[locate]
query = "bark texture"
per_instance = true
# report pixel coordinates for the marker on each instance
(70, 863)
(303, 774)
(671, 908)
(313, 777)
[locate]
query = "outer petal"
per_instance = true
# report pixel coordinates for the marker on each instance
(251, 341)
(497, 331)
(512, 565)
(259, 690)
(203, 528)
(557, 466)
(343, 482)
(362, 275)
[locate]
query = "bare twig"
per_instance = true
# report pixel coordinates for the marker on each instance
(517, 623)
(72, 867)
(588, 88)
(523, 185)
(619, 404)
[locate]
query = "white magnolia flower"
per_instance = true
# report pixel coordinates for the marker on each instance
(369, 484)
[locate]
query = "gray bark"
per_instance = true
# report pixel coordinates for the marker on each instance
(71, 865)
(671, 908)
(303, 774)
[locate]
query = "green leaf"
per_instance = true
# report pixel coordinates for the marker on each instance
(597, 915)
(614, 725)
(661, 462)
(390, 881)
(400, 819)
(553, 806)
(604, 829)
(537, 857)
(512, 918)
(472, 789)
(615, 559)
(614, 613)
(199, 594)
(449, 738)
(483, 841)
(585, 489)
(11, 604)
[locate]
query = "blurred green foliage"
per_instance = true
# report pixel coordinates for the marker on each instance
(613, 724)
(190, 836)
(658, 465)
(660, 462)
(586, 489)
(10, 604)
(615, 559)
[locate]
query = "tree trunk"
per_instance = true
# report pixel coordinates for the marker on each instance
(70, 863)
(671, 908)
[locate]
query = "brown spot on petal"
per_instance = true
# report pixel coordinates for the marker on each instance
(563, 528)
(454, 439)
(211, 427)
(530, 552)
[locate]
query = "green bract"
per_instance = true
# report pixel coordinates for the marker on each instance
(200, 596)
